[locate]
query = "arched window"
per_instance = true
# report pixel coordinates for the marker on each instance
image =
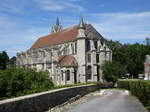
(95, 44)
(89, 58)
(88, 45)
(97, 58)
(75, 47)
(72, 48)
(98, 73)
(68, 75)
(62, 76)
(89, 72)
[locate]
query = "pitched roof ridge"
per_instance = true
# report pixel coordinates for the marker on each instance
(58, 32)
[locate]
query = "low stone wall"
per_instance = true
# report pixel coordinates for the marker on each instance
(41, 102)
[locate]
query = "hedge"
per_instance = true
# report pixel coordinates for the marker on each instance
(139, 88)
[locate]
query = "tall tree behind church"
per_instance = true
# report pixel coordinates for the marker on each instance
(4, 59)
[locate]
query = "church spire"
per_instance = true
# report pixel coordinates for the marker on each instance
(81, 29)
(57, 27)
(81, 23)
(57, 21)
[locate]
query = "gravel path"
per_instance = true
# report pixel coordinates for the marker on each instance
(110, 101)
(105, 101)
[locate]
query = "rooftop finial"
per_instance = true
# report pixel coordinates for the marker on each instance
(81, 23)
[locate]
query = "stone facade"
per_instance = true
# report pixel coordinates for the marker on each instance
(72, 55)
(147, 67)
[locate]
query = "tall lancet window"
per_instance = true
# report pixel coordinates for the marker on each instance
(89, 72)
(88, 45)
(96, 45)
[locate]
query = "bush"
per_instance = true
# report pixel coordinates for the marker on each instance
(21, 81)
(139, 88)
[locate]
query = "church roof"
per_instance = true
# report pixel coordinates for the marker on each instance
(67, 61)
(64, 35)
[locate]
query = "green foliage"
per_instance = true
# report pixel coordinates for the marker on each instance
(112, 71)
(3, 60)
(139, 88)
(131, 56)
(21, 81)
(12, 61)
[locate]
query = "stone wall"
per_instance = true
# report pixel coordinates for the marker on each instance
(41, 102)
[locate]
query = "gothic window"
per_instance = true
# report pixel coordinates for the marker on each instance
(97, 58)
(75, 47)
(89, 72)
(98, 75)
(62, 76)
(72, 48)
(96, 45)
(88, 45)
(105, 55)
(89, 58)
(68, 75)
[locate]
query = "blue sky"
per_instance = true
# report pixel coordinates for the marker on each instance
(22, 22)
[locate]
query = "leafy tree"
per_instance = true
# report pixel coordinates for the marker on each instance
(147, 40)
(131, 56)
(3, 60)
(12, 61)
(20, 81)
(112, 71)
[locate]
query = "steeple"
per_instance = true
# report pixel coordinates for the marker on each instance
(81, 23)
(57, 27)
(57, 21)
(81, 29)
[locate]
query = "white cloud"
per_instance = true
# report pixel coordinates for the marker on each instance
(19, 35)
(59, 5)
(122, 26)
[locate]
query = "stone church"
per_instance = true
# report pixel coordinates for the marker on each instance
(72, 55)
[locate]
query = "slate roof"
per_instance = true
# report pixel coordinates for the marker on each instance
(67, 61)
(65, 35)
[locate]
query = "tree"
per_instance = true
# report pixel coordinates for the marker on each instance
(131, 56)
(147, 40)
(4, 59)
(16, 81)
(112, 71)
(12, 61)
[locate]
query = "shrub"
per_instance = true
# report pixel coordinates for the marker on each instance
(21, 81)
(139, 88)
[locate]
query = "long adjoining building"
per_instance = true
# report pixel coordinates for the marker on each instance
(72, 55)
